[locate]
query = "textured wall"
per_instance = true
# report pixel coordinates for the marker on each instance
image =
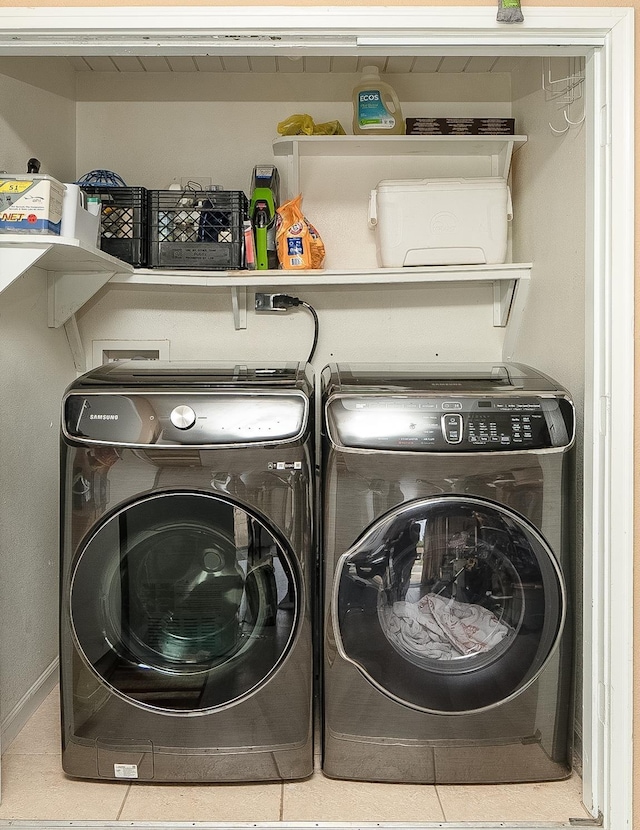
(35, 367)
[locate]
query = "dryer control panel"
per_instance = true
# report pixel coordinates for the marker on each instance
(450, 424)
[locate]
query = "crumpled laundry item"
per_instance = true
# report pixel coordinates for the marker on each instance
(442, 628)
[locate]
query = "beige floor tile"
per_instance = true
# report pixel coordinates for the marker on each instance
(324, 799)
(551, 801)
(34, 787)
(41, 733)
(34, 757)
(203, 802)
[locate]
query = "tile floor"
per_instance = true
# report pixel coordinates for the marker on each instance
(34, 756)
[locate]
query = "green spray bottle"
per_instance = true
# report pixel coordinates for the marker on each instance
(265, 199)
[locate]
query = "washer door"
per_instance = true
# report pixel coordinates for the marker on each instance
(184, 602)
(449, 604)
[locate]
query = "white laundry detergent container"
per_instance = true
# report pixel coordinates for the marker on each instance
(440, 221)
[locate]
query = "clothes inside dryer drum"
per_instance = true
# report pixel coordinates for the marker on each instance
(442, 628)
(183, 602)
(449, 604)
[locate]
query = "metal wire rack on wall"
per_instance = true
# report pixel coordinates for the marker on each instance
(565, 91)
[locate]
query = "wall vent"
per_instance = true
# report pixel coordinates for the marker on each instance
(106, 351)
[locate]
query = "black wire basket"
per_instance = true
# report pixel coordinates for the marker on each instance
(197, 229)
(123, 222)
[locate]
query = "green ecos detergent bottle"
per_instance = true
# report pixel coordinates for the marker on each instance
(376, 109)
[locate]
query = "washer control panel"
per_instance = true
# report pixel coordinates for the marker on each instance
(450, 424)
(184, 419)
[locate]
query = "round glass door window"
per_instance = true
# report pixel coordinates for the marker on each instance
(184, 602)
(449, 604)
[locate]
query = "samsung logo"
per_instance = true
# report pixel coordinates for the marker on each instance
(103, 417)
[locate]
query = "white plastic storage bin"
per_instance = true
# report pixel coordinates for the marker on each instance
(440, 221)
(80, 219)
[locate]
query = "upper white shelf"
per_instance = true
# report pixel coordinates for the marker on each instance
(498, 147)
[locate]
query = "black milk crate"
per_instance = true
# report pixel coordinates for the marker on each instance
(123, 223)
(198, 229)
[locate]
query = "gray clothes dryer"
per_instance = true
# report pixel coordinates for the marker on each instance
(187, 572)
(447, 545)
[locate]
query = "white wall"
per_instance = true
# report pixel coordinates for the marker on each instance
(37, 103)
(35, 367)
(549, 189)
(37, 108)
(549, 229)
(387, 323)
(151, 127)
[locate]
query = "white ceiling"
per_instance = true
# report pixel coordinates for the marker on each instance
(283, 64)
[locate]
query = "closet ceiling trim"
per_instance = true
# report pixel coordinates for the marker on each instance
(248, 30)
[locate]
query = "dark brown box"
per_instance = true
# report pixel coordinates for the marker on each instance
(460, 126)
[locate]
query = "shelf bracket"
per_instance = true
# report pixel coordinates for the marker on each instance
(239, 305)
(516, 314)
(75, 344)
(70, 291)
(503, 291)
(501, 163)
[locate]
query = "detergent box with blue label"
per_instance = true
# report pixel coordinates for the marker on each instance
(30, 203)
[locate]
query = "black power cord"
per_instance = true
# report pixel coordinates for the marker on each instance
(286, 301)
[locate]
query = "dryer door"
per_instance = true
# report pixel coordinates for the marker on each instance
(449, 604)
(184, 602)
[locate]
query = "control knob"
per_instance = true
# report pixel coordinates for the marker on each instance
(183, 417)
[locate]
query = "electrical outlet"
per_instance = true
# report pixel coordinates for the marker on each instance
(264, 302)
